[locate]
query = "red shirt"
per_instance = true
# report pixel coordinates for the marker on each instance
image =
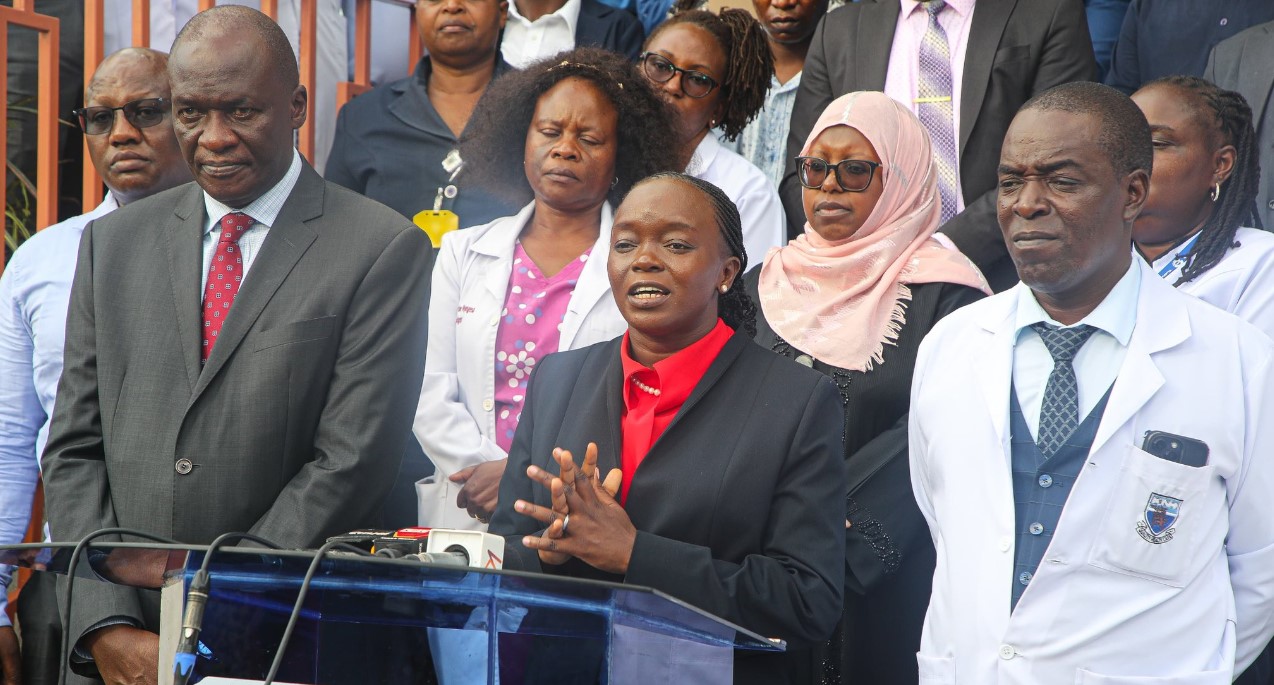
(646, 415)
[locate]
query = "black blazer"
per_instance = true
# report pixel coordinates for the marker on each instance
(1017, 49)
(608, 27)
(739, 506)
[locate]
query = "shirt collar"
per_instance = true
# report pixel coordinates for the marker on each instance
(264, 209)
(1116, 315)
(704, 155)
(677, 375)
(777, 88)
(962, 7)
(568, 12)
(108, 205)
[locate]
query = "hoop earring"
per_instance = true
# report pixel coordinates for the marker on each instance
(614, 182)
(1215, 192)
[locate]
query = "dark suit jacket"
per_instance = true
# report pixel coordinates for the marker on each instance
(390, 143)
(1161, 38)
(739, 506)
(296, 424)
(1017, 49)
(1245, 63)
(608, 27)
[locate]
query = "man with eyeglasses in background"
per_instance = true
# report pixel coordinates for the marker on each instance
(131, 144)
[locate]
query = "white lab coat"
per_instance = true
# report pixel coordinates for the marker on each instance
(455, 421)
(1242, 283)
(760, 209)
(1105, 605)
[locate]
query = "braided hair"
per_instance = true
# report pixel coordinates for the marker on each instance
(749, 62)
(1229, 118)
(734, 307)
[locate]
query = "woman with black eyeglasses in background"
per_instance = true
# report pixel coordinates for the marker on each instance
(714, 69)
(852, 298)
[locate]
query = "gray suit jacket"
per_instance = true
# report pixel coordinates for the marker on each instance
(1017, 49)
(295, 426)
(1245, 63)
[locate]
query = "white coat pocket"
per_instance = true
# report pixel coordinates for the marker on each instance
(936, 670)
(1163, 520)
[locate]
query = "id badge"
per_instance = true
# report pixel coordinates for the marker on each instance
(436, 223)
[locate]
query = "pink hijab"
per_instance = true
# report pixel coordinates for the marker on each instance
(842, 301)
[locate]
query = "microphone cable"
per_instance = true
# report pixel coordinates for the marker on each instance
(319, 555)
(196, 598)
(65, 651)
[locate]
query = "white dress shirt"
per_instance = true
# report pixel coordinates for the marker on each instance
(264, 211)
(1097, 362)
(903, 75)
(35, 292)
(527, 41)
(764, 225)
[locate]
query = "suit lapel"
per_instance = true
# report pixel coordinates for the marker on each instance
(286, 241)
(596, 410)
(995, 368)
(1259, 81)
(874, 39)
(989, 19)
(183, 237)
(733, 348)
(593, 283)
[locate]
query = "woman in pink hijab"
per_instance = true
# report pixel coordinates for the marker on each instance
(852, 298)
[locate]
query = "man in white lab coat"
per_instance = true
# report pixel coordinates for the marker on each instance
(1072, 546)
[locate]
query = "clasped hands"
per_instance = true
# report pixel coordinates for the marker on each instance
(599, 532)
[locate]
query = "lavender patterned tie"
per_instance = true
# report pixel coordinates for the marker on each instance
(933, 105)
(1059, 412)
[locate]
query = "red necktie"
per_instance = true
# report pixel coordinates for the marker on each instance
(224, 277)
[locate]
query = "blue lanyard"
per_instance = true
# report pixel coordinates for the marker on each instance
(1180, 260)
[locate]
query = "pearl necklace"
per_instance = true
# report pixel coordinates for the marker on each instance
(646, 388)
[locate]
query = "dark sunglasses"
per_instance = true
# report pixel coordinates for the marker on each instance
(852, 175)
(140, 113)
(695, 84)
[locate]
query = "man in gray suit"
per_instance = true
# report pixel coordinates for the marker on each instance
(1245, 63)
(284, 408)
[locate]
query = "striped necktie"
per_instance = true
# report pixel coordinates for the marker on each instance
(934, 92)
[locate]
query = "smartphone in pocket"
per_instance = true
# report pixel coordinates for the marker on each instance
(1176, 448)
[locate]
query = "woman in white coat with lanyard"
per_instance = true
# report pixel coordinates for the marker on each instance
(1200, 230)
(586, 127)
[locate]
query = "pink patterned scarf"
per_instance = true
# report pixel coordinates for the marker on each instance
(842, 301)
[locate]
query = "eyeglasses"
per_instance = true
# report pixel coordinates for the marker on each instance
(852, 175)
(695, 84)
(140, 113)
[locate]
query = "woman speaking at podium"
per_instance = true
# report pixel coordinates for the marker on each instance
(724, 482)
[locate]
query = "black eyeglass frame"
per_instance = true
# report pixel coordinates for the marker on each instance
(836, 170)
(713, 83)
(130, 114)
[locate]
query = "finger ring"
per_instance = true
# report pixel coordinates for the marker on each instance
(473, 515)
(566, 521)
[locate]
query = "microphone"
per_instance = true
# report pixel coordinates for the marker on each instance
(477, 549)
(188, 645)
